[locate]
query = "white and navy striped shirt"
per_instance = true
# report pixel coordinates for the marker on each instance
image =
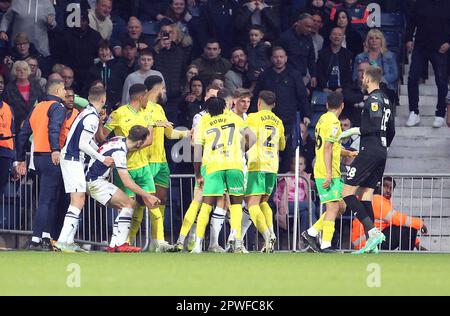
(117, 149)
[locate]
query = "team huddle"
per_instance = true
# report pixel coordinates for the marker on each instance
(236, 159)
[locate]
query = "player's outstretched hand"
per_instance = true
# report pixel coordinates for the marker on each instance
(354, 154)
(109, 161)
(165, 124)
(327, 183)
(200, 182)
(424, 230)
(151, 201)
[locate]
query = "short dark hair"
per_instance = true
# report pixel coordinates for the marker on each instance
(389, 178)
(137, 89)
(256, 27)
(103, 43)
(375, 73)
(225, 93)
(268, 97)
(318, 13)
(277, 48)
(152, 81)
(147, 52)
(235, 49)
(335, 100)
(138, 133)
(215, 106)
(212, 41)
(96, 93)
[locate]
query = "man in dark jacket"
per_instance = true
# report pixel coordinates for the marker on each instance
(129, 56)
(287, 84)
(80, 49)
(430, 19)
(334, 66)
(109, 71)
(211, 63)
(170, 60)
(217, 18)
(299, 46)
(45, 123)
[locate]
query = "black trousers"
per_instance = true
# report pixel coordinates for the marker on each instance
(399, 238)
(5, 171)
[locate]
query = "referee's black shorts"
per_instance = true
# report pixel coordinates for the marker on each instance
(367, 169)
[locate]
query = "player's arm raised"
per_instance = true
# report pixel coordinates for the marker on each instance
(149, 199)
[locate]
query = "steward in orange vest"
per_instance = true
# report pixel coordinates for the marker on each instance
(399, 228)
(45, 122)
(6, 143)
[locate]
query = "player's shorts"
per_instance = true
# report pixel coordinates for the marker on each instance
(142, 177)
(260, 183)
(160, 173)
(101, 190)
(73, 175)
(230, 180)
(333, 193)
(367, 169)
(203, 173)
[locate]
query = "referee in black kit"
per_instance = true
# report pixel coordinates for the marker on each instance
(377, 132)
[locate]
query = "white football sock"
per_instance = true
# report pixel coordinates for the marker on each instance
(181, 239)
(313, 232)
(113, 242)
(46, 235)
(70, 225)
(246, 222)
(325, 244)
(198, 243)
(123, 227)
(36, 240)
(215, 226)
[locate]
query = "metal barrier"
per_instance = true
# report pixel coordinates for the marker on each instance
(425, 196)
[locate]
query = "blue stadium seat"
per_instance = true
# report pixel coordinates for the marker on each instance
(393, 41)
(393, 21)
(150, 28)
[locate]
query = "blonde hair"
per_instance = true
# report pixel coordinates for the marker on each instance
(20, 64)
(21, 37)
(378, 34)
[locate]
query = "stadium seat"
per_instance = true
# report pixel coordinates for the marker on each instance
(150, 28)
(393, 21)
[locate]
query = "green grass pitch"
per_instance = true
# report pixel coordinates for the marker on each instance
(27, 273)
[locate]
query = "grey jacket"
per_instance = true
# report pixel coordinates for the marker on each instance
(30, 17)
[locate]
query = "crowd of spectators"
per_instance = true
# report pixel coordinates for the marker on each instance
(294, 48)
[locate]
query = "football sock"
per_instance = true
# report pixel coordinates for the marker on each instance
(157, 222)
(123, 225)
(113, 242)
(315, 229)
(259, 219)
(202, 220)
(246, 222)
(189, 219)
(369, 209)
(136, 221)
(236, 220)
(268, 214)
(215, 225)
(361, 213)
(328, 232)
(70, 226)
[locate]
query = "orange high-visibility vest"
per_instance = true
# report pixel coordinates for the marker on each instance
(39, 125)
(65, 128)
(385, 216)
(6, 132)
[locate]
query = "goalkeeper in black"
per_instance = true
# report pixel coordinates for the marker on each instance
(366, 172)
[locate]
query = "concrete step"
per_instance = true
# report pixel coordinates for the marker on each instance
(399, 150)
(417, 165)
(419, 192)
(426, 121)
(427, 143)
(403, 110)
(421, 131)
(429, 82)
(423, 90)
(425, 207)
(423, 100)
